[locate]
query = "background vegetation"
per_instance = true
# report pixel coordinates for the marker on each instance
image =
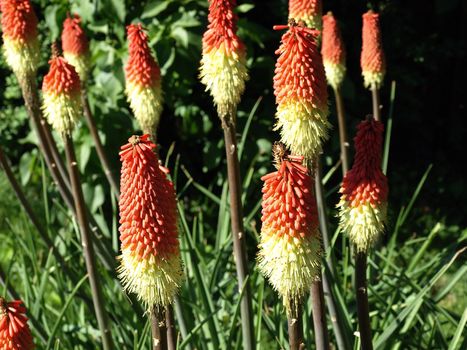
(418, 289)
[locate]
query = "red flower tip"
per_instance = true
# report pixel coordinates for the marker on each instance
(222, 28)
(19, 22)
(148, 218)
(74, 38)
(372, 59)
(365, 182)
(333, 49)
(61, 78)
(14, 330)
(141, 68)
(307, 10)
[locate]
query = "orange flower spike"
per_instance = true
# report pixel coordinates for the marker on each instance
(290, 247)
(150, 262)
(364, 190)
(14, 330)
(223, 65)
(143, 80)
(75, 45)
(20, 44)
(309, 11)
(372, 59)
(61, 90)
(333, 51)
(301, 92)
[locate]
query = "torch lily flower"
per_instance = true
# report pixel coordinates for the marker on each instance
(223, 64)
(14, 330)
(364, 190)
(61, 90)
(308, 11)
(372, 59)
(20, 44)
(75, 46)
(143, 81)
(150, 262)
(333, 51)
(301, 91)
(290, 247)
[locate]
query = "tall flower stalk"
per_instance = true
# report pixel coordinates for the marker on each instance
(62, 106)
(143, 81)
(75, 46)
(14, 329)
(223, 71)
(150, 266)
(362, 211)
(372, 60)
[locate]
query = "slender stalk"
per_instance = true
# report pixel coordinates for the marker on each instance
(376, 103)
(158, 329)
(344, 140)
(319, 316)
(88, 248)
(238, 233)
(171, 331)
(294, 324)
(363, 310)
(99, 147)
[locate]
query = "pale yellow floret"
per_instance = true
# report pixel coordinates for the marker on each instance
(303, 127)
(290, 264)
(372, 79)
(224, 76)
(80, 62)
(62, 111)
(335, 74)
(363, 224)
(155, 280)
(22, 56)
(146, 104)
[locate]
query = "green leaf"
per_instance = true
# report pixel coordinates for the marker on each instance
(153, 8)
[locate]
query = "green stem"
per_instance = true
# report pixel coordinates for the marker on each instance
(343, 138)
(319, 316)
(362, 301)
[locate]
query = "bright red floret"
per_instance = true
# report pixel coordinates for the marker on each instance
(299, 72)
(222, 28)
(74, 38)
(148, 216)
(19, 22)
(300, 8)
(372, 58)
(14, 330)
(332, 49)
(61, 78)
(289, 206)
(365, 182)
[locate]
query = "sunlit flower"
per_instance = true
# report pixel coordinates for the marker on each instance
(14, 329)
(333, 51)
(223, 64)
(309, 11)
(372, 59)
(364, 191)
(143, 80)
(20, 44)
(61, 92)
(290, 247)
(75, 46)
(150, 262)
(301, 92)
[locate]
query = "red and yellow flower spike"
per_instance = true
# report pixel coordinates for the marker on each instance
(61, 91)
(290, 247)
(372, 59)
(14, 330)
(143, 80)
(75, 46)
(301, 91)
(364, 190)
(150, 262)
(223, 64)
(333, 51)
(20, 43)
(308, 11)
